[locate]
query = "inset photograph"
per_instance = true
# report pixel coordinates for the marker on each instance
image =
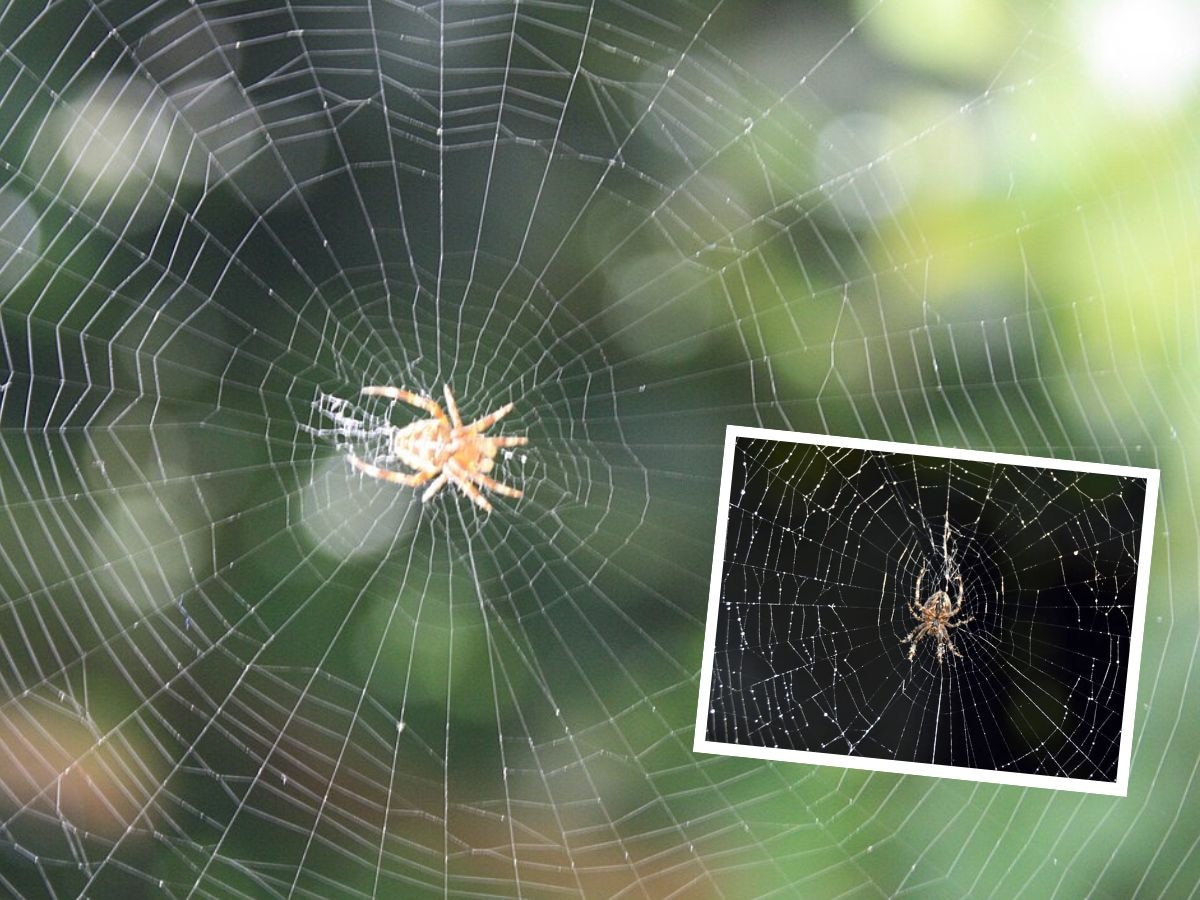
(923, 610)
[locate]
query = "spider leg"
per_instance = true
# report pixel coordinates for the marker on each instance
(960, 624)
(959, 604)
(434, 486)
(394, 393)
(490, 419)
(416, 461)
(509, 441)
(493, 485)
(953, 649)
(917, 593)
(388, 475)
(473, 492)
(452, 407)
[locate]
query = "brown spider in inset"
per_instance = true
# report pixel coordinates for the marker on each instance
(935, 616)
(442, 449)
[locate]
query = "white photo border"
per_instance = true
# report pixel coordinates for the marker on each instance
(1117, 788)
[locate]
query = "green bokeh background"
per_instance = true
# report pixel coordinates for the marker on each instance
(919, 220)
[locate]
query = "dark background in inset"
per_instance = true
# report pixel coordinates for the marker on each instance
(823, 549)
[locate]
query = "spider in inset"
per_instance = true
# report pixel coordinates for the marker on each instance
(442, 449)
(935, 616)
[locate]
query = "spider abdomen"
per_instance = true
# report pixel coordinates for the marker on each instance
(442, 449)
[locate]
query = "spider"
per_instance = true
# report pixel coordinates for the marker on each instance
(441, 449)
(935, 616)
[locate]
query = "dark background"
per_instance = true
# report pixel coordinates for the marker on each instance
(823, 551)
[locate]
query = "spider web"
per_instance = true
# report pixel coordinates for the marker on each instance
(833, 557)
(233, 666)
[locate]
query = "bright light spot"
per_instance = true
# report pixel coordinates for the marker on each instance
(20, 239)
(115, 126)
(110, 143)
(946, 157)
(50, 758)
(951, 36)
(1143, 53)
(156, 539)
(344, 514)
(855, 170)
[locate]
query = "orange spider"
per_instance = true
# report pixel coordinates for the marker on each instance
(443, 449)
